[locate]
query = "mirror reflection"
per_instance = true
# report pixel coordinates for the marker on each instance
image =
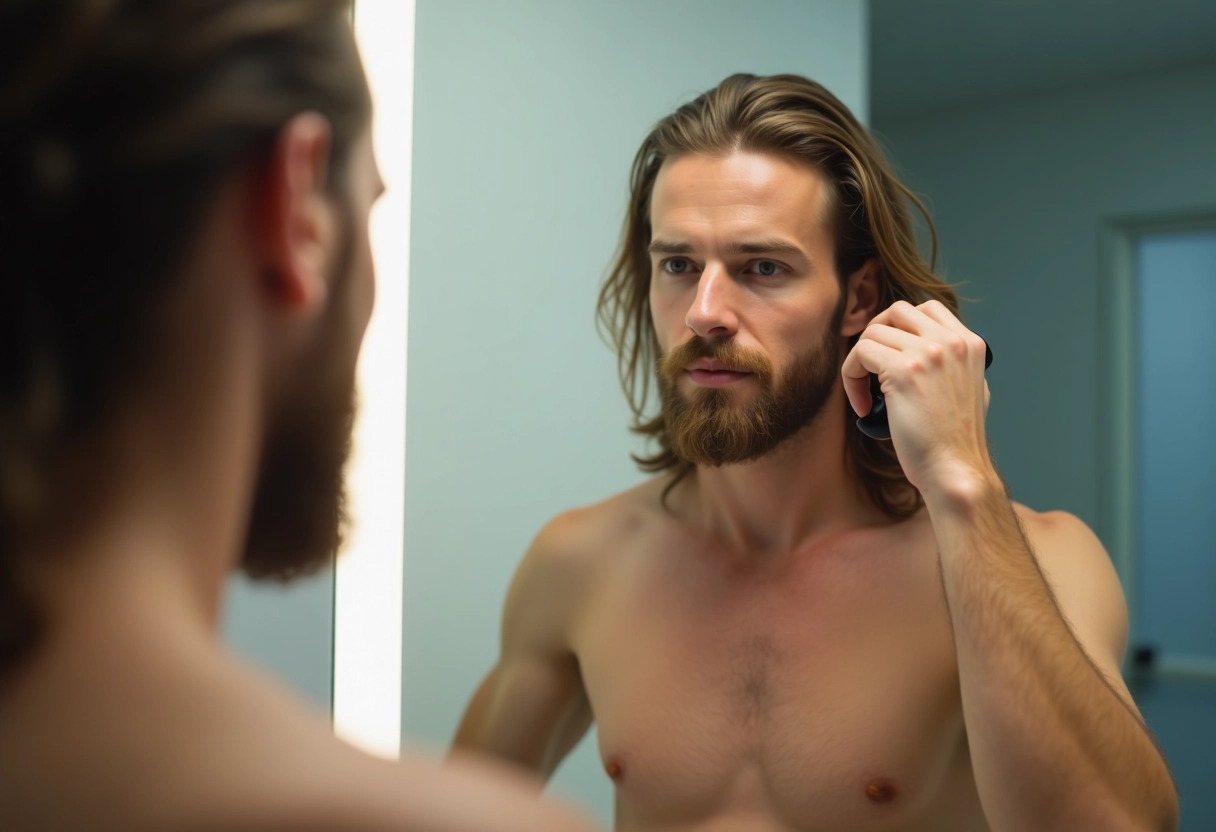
(705, 637)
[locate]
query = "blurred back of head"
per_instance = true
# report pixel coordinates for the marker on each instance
(119, 120)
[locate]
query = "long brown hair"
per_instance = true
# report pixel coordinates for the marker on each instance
(795, 118)
(119, 119)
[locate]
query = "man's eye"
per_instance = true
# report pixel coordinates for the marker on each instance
(766, 268)
(677, 265)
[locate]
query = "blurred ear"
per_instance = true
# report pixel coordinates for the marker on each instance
(862, 302)
(297, 216)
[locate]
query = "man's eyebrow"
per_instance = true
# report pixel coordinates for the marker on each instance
(765, 247)
(669, 247)
(774, 246)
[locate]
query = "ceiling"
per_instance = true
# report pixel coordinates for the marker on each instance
(931, 54)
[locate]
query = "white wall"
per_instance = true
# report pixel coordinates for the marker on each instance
(1020, 189)
(527, 117)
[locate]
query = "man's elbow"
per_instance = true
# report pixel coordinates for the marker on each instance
(1169, 814)
(1159, 813)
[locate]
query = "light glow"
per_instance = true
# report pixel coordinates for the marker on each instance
(367, 590)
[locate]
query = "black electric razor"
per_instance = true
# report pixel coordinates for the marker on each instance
(874, 424)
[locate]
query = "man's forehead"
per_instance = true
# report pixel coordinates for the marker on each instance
(746, 189)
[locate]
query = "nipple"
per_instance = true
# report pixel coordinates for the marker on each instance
(881, 791)
(614, 769)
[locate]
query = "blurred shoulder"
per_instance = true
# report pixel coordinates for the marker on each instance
(337, 788)
(418, 794)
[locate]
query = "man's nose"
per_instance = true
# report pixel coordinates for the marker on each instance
(712, 314)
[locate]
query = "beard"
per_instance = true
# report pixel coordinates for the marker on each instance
(708, 427)
(299, 519)
(299, 516)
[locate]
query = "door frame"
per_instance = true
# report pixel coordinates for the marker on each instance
(1118, 423)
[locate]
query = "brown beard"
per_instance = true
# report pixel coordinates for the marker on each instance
(299, 519)
(707, 427)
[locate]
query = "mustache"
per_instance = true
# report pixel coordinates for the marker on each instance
(737, 358)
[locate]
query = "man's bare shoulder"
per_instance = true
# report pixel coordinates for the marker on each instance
(415, 794)
(567, 559)
(291, 772)
(1058, 534)
(181, 736)
(1082, 577)
(586, 534)
(1065, 546)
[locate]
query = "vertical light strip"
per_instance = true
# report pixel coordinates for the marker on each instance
(367, 592)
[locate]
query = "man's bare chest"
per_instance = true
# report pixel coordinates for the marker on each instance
(822, 692)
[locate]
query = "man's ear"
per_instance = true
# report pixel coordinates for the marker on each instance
(861, 303)
(296, 216)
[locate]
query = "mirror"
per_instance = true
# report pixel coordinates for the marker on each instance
(1066, 154)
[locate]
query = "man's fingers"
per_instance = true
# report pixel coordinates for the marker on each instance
(867, 357)
(940, 314)
(890, 336)
(914, 319)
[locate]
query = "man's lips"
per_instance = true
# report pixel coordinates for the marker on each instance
(711, 365)
(709, 373)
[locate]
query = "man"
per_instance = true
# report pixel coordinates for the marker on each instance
(185, 191)
(794, 626)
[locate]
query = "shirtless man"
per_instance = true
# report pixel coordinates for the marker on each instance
(184, 188)
(793, 626)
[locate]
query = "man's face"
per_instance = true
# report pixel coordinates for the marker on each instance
(299, 512)
(746, 303)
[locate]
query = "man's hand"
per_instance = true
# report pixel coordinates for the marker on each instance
(931, 370)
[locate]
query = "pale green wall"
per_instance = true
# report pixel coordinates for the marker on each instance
(287, 629)
(1020, 189)
(527, 116)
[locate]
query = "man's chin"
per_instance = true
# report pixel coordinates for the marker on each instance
(735, 396)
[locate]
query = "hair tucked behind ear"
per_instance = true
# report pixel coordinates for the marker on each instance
(798, 119)
(118, 120)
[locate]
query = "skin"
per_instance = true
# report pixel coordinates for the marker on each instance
(774, 654)
(131, 715)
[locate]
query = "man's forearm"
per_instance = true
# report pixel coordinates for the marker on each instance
(1052, 745)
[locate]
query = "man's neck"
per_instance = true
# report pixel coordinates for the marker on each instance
(801, 492)
(164, 522)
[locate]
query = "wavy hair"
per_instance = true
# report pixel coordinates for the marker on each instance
(798, 119)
